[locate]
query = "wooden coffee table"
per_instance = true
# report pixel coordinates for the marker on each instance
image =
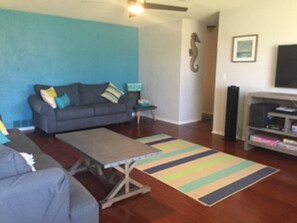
(101, 149)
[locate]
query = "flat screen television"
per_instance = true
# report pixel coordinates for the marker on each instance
(286, 66)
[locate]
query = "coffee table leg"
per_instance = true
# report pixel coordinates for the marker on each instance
(116, 194)
(78, 166)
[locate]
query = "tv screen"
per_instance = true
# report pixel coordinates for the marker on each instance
(286, 66)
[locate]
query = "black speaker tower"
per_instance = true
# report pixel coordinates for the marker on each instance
(231, 113)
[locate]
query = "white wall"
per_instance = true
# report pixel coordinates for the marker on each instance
(165, 71)
(276, 23)
(159, 67)
(190, 82)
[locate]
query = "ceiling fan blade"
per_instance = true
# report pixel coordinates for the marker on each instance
(164, 7)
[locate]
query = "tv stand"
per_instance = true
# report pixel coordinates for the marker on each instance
(276, 134)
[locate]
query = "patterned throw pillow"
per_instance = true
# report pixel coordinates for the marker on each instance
(3, 128)
(112, 93)
(63, 101)
(48, 95)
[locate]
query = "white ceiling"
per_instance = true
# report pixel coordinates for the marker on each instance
(115, 11)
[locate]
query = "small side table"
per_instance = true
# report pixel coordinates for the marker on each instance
(138, 109)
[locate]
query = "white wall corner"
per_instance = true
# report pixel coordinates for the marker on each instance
(191, 82)
(159, 66)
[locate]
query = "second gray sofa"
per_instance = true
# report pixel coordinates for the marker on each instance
(87, 108)
(48, 195)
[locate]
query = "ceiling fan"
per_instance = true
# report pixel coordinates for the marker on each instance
(136, 7)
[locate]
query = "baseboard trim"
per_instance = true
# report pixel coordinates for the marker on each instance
(222, 134)
(161, 119)
(171, 121)
(27, 128)
(217, 132)
(189, 121)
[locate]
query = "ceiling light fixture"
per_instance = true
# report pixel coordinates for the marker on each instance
(135, 7)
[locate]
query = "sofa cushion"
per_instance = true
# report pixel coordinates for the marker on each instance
(42, 196)
(74, 112)
(20, 142)
(43, 161)
(71, 90)
(91, 93)
(109, 108)
(12, 163)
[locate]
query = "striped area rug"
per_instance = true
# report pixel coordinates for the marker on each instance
(203, 174)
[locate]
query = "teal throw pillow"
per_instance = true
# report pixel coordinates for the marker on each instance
(62, 101)
(3, 138)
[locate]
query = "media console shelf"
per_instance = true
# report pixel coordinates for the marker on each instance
(276, 135)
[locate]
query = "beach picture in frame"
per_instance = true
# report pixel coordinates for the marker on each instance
(244, 48)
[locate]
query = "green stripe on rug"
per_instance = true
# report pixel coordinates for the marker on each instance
(169, 145)
(215, 176)
(195, 168)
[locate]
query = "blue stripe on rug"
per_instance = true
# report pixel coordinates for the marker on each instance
(167, 155)
(179, 161)
(223, 192)
(161, 141)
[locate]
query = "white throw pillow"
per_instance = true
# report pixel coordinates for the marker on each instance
(29, 159)
(49, 95)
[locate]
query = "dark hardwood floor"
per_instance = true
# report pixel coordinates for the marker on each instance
(273, 199)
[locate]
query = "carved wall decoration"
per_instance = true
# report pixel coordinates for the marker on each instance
(193, 52)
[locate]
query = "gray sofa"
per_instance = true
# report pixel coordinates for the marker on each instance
(48, 195)
(87, 108)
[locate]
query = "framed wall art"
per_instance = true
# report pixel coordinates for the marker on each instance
(244, 48)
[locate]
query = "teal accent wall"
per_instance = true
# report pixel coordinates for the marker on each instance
(52, 50)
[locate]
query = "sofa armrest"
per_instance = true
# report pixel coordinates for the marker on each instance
(130, 102)
(41, 196)
(39, 106)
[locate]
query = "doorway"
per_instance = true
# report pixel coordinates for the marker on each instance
(211, 39)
